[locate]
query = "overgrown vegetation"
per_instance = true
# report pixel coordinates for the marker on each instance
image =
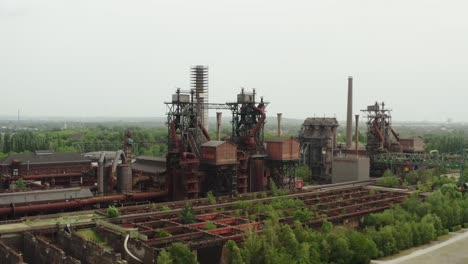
(211, 198)
(177, 253)
(275, 191)
(413, 223)
(165, 208)
(303, 172)
(21, 184)
(162, 233)
(84, 140)
(187, 215)
(447, 143)
(283, 244)
(388, 180)
(112, 212)
(209, 225)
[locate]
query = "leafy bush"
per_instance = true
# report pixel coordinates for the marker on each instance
(112, 212)
(165, 258)
(209, 225)
(181, 254)
(165, 208)
(327, 227)
(162, 233)
(187, 216)
(303, 215)
(388, 181)
(211, 198)
(21, 184)
(275, 191)
(303, 172)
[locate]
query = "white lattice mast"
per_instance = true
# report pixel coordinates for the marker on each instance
(199, 74)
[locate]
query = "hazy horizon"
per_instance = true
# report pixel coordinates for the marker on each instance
(124, 59)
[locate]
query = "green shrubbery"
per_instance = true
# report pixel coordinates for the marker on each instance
(388, 180)
(112, 212)
(209, 225)
(303, 172)
(177, 253)
(187, 215)
(211, 198)
(283, 244)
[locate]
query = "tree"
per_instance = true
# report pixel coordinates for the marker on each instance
(363, 248)
(211, 197)
(233, 253)
(253, 250)
(326, 226)
(303, 172)
(340, 252)
(187, 215)
(164, 258)
(20, 184)
(181, 254)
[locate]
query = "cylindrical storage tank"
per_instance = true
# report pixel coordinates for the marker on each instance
(124, 178)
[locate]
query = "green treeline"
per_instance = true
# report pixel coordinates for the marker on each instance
(382, 234)
(150, 141)
(446, 143)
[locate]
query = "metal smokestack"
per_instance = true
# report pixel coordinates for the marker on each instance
(357, 135)
(218, 125)
(349, 120)
(279, 124)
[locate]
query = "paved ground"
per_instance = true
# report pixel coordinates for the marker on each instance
(452, 251)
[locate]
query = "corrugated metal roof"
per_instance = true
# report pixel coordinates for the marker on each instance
(146, 167)
(46, 195)
(149, 164)
(151, 158)
(56, 157)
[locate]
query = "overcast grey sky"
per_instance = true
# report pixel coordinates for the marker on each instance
(124, 58)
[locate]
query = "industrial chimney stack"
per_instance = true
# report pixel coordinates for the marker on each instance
(280, 132)
(349, 120)
(218, 125)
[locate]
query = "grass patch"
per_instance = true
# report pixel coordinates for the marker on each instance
(91, 235)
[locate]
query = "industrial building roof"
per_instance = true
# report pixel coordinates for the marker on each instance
(45, 158)
(213, 143)
(321, 121)
(151, 158)
(149, 164)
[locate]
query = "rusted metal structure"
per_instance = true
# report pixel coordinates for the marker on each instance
(239, 165)
(248, 121)
(381, 137)
(219, 163)
(47, 169)
(185, 135)
(349, 114)
(283, 158)
(194, 164)
(342, 204)
(318, 143)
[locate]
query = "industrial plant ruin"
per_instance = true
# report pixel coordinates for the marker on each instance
(223, 178)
